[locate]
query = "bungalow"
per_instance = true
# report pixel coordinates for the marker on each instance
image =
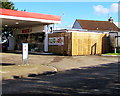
(96, 26)
(100, 26)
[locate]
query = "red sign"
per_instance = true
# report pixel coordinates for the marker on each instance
(26, 31)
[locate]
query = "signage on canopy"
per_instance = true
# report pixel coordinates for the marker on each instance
(26, 30)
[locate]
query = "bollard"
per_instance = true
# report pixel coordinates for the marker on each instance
(115, 50)
(25, 53)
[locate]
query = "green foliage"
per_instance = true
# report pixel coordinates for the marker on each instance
(112, 54)
(6, 31)
(6, 4)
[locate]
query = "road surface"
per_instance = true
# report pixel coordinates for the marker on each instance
(99, 80)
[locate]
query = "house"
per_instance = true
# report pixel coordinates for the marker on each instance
(100, 26)
(29, 27)
(96, 26)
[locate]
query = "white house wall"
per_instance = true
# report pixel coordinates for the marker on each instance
(38, 29)
(119, 39)
(76, 25)
(113, 40)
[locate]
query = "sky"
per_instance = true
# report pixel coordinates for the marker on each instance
(70, 11)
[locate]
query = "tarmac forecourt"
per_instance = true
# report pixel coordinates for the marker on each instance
(12, 67)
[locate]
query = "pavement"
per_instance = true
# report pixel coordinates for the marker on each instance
(12, 66)
(25, 70)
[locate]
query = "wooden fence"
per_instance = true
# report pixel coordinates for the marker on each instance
(80, 43)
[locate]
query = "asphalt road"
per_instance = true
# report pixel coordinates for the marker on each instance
(99, 80)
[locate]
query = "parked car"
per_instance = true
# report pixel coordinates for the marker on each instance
(3, 46)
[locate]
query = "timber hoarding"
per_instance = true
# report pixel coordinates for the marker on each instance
(78, 43)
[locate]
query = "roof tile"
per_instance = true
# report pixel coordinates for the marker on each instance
(98, 25)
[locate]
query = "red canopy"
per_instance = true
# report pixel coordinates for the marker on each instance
(24, 14)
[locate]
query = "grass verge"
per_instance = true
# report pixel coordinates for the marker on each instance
(111, 54)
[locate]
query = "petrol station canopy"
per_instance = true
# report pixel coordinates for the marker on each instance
(14, 18)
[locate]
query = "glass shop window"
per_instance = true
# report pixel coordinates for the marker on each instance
(41, 37)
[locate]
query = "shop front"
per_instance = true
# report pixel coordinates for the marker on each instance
(34, 39)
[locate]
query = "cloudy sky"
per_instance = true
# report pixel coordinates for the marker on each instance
(70, 11)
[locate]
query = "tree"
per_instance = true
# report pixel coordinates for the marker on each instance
(6, 4)
(7, 32)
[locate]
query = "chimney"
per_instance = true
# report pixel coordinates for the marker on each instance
(110, 20)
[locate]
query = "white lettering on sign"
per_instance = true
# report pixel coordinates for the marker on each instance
(25, 52)
(56, 41)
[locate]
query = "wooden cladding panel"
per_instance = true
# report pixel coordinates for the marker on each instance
(61, 49)
(77, 43)
(89, 43)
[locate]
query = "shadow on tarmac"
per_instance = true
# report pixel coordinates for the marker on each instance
(88, 81)
(6, 64)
